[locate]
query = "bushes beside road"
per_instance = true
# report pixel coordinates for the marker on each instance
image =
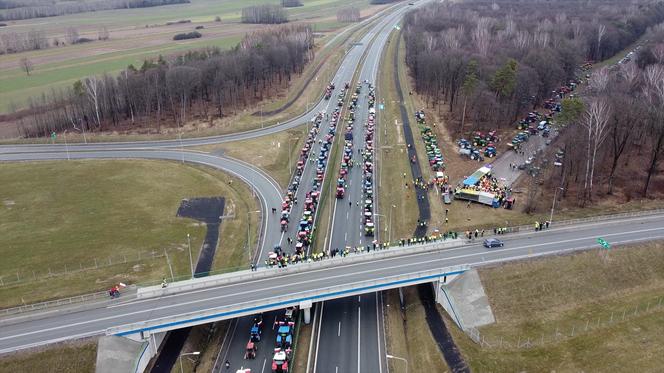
(187, 35)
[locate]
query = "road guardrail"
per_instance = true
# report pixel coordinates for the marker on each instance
(283, 301)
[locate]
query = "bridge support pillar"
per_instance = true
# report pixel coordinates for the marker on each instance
(305, 306)
(127, 354)
(462, 296)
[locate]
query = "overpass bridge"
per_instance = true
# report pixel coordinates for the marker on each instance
(204, 300)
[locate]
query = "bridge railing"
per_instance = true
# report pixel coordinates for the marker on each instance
(172, 288)
(260, 273)
(285, 300)
(102, 295)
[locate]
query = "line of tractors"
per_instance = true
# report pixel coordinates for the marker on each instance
(285, 327)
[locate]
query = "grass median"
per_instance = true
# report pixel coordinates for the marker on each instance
(80, 226)
(393, 156)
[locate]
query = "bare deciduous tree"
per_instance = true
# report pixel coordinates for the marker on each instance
(595, 121)
(26, 65)
(482, 36)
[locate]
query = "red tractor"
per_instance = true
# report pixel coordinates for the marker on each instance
(280, 361)
(340, 192)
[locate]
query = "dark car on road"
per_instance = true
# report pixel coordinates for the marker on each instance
(493, 242)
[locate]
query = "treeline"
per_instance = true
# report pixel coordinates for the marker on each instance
(489, 61)
(349, 14)
(13, 42)
(614, 141)
(270, 14)
(49, 8)
(375, 2)
(202, 83)
(291, 3)
(187, 35)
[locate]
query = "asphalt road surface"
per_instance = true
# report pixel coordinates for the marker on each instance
(358, 341)
(373, 40)
(53, 326)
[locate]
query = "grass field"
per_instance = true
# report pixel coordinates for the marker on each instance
(136, 34)
(534, 299)
(393, 156)
(57, 215)
(270, 153)
(408, 336)
(77, 356)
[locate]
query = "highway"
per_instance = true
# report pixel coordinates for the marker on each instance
(353, 326)
(54, 326)
(265, 187)
(371, 44)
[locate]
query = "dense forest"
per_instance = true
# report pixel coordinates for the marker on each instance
(485, 64)
(12, 10)
(170, 91)
(614, 139)
(496, 59)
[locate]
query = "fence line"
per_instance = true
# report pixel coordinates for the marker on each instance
(21, 277)
(561, 334)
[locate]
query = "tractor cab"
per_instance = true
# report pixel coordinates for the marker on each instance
(280, 361)
(369, 229)
(250, 352)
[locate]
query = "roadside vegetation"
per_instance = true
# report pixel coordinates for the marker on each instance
(270, 153)
(76, 356)
(614, 294)
(67, 232)
(202, 84)
(499, 69)
(116, 33)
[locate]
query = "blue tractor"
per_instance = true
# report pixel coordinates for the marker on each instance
(284, 336)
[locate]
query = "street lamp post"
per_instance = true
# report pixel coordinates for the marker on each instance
(398, 358)
(181, 146)
(553, 204)
(290, 162)
(66, 144)
(195, 353)
(389, 235)
(248, 227)
(191, 261)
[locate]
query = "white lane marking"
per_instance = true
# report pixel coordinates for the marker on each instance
(430, 260)
(359, 298)
(322, 306)
(339, 330)
(264, 361)
(7, 321)
(378, 313)
(442, 251)
(359, 317)
(336, 369)
(311, 345)
(223, 343)
(230, 342)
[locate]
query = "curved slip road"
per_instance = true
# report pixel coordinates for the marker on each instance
(267, 190)
(55, 326)
(343, 74)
